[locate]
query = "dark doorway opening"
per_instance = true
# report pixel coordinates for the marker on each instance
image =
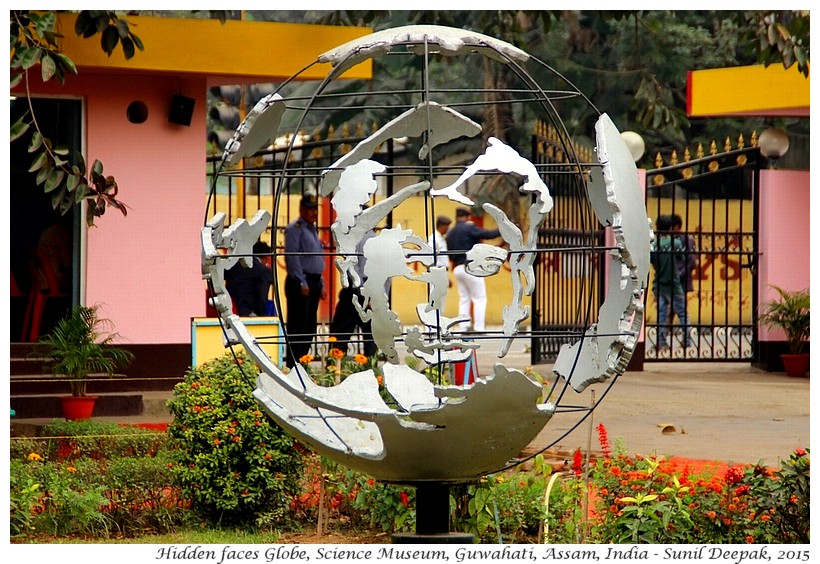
(44, 255)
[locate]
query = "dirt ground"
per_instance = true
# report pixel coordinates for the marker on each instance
(723, 412)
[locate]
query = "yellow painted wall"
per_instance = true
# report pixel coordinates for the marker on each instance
(719, 282)
(207, 343)
(406, 294)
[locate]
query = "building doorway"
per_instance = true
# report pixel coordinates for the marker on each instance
(45, 248)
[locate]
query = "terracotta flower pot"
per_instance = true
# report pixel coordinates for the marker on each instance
(795, 364)
(75, 408)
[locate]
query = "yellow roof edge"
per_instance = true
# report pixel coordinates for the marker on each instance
(748, 90)
(246, 50)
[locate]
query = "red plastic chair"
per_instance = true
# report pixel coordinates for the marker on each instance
(44, 287)
(16, 292)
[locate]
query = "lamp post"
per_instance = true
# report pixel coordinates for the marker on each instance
(635, 144)
(773, 144)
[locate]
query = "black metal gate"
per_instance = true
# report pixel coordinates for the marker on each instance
(715, 199)
(569, 287)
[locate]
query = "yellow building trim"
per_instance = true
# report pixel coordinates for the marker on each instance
(249, 51)
(749, 90)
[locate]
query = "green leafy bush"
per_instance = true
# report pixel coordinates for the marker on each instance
(92, 478)
(231, 460)
(69, 440)
(654, 500)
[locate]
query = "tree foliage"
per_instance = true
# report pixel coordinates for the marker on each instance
(34, 41)
(632, 64)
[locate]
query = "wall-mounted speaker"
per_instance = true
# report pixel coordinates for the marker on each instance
(182, 109)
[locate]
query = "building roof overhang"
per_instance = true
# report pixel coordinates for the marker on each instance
(236, 51)
(754, 90)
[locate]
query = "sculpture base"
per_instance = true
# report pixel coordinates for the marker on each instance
(432, 518)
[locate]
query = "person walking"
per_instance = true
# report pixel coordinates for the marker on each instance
(667, 253)
(471, 289)
(304, 285)
(689, 262)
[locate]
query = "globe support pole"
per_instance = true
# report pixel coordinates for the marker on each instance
(432, 518)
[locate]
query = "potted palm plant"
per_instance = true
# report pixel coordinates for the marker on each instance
(79, 346)
(790, 311)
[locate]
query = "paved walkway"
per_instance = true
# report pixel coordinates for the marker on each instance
(729, 412)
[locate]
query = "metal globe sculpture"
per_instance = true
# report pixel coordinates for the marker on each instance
(414, 430)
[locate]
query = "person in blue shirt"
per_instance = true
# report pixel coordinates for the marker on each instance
(304, 285)
(667, 253)
(249, 287)
(471, 289)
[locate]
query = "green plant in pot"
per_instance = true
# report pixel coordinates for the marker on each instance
(78, 347)
(790, 311)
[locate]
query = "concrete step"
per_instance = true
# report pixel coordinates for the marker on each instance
(148, 405)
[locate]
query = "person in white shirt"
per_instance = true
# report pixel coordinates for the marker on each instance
(438, 243)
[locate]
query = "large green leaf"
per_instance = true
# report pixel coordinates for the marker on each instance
(127, 47)
(36, 141)
(28, 56)
(39, 162)
(47, 67)
(19, 128)
(109, 40)
(72, 181)
(55, 179)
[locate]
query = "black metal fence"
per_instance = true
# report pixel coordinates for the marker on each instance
(715, 199)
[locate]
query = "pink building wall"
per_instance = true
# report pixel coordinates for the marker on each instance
(785, 216)
(143, 269)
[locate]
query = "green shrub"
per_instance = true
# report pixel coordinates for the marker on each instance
(92, 478)
(509, 504)
(69, 440)
(24, 497)
(231, 460)
(653, 500)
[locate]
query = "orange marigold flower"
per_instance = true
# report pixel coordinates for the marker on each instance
(793, 499)
(217, 441)
(237, 438)
(750, 539)
(34, 457)
(613, 508)
(306, 359)
(732, 507)
(338, 354)
(71, 469)
(727, 521)
(711, 514)
(765, 517)
(360, 359)
(332, 339)
(380, 380)
(604, 491)
(615, 470)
